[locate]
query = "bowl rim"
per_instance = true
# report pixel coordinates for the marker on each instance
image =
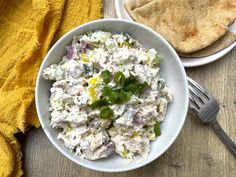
(186, 91)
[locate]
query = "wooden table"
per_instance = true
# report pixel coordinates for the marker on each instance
(197, 152)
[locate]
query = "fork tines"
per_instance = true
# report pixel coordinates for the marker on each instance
(198, 95)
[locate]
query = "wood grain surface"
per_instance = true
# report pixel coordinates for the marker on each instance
(197, 152)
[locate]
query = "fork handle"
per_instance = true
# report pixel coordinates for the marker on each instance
(224, 137)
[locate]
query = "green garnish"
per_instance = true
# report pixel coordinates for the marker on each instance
(136, 88)
(161, 84)
(87, 69)
(59, 104)
(119, 94)
(99, 103)
(106, 76)
(126, 86)
(106, 113)
(134, 134)
(113, 96)
(127, 44)
(106, 91)
(130, 80)
(119, 78)
(96, 70)
(158, 108)
(119, 97)
(123, 96)
(143, 86)
(124, 153)
(131, 88)
(157, 129)
(156, 61)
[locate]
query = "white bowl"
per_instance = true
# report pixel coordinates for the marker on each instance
(171, 69)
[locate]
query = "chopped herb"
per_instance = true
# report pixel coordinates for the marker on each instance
(131, 88)
(114, 97)
(136, 88)
(94, 44)
(122, 93)
(123, 96)
(87, 69)
(161, 84)
(134, 134)
(119, 78)
(106, 113)
(158, 108)
(130, 80)
(127, 44)
(106, 91)
(157, 129)
(96, 70)
(126, 36)
(156, 61)
(99, 103)
(124, 153)
(106, 76)
(143, 86)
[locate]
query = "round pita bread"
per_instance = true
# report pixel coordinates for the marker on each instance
(189, 25)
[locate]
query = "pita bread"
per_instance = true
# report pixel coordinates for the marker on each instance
(217, 46)
(189, 25)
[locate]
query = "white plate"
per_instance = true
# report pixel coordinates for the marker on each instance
(187, 62)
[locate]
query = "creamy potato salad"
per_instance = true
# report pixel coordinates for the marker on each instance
(108, 96)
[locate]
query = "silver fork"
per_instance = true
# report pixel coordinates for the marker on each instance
(205, 107)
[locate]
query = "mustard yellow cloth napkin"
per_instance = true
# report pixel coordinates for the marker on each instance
(27, 29)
